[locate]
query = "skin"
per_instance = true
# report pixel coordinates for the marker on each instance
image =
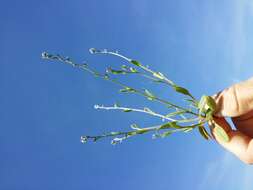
(237, 102)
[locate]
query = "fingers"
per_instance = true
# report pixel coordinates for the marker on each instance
(239, 144)
(236, 100)
(245, 123)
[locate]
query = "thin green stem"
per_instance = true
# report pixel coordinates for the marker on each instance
(127, 134)
(92, 50)
(135, 110)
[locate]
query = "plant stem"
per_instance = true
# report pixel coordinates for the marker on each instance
(134, 110)
(131, 133)
(169, 82)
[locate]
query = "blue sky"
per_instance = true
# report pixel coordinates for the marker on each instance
(46, 107)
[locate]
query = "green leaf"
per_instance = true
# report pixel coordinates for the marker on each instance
(158, 81)
(209, 114)
(158, 75)
(127, 90)
(166, 134)
(206, 104)
(115, 72)
(133, 70)
(172, 124)
(211, 103)
(124, 67)
(202, 104)
(123, 90)
(220, 133)
(182, 90)
(149, 95)
(187, 129)
(175, 113)
(136, 63)
(203, 132)
(127, 110)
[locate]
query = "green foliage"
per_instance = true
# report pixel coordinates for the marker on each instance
(220, 133)
(149, 95)
(203, 132)
(194, 115)
(182, 90)
(136, 63)
(127, 90)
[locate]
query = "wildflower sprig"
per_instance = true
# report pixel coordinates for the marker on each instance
(179, 119)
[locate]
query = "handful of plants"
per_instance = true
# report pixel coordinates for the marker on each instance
(198, 114)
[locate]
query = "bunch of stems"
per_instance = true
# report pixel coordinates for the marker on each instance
(179, 119)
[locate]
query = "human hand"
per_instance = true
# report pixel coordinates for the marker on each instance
(237, 102)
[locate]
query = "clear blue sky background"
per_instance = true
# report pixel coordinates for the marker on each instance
(45, 107)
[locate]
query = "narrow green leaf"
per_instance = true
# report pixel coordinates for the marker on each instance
(187, 129)
(166, 134)
(175, 113)
(181, 90)
(209, 114)
(133, 70)
(203, 132)
(115, 72)
(220, 133)
(136, 63)
(172, 124)
(127, 90)
(211, 103)
(123, 90)
(158, 75)
(202, 104)
(124, 67)
(150, 96)
(158, 81)
(127, 110)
